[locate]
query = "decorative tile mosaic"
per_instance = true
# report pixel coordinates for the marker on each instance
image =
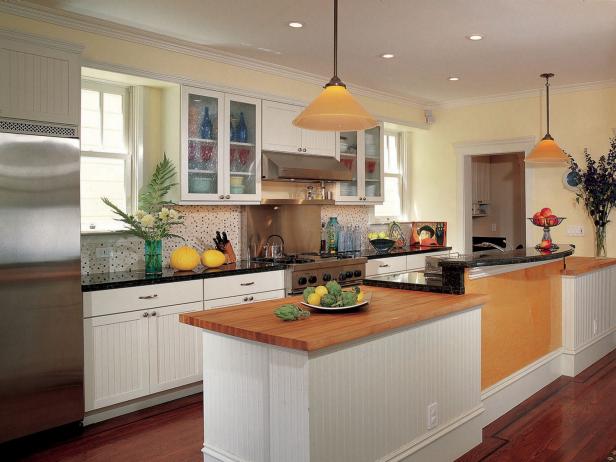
(354, 215)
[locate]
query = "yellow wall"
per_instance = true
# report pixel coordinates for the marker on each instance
(578, 119)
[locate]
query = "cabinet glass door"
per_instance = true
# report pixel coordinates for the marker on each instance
(202, 149)
(348, 156)
(373, 159)
(244, 148)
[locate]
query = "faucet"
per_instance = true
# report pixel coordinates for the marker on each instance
(490, 244)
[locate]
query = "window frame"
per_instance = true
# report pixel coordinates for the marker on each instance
(128, 155)
(402, 144)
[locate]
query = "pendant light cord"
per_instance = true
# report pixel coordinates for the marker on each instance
(547, 102)
(335, 38)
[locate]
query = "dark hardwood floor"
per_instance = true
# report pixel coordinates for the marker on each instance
(571, 419)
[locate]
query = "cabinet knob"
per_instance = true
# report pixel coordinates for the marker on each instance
(304, 150)
(227, 196)
(146, 314)
(251, 298)
(153, 313)
(221, 196)
(299, 149)
(245, 299)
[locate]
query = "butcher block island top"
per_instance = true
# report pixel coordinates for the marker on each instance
(388, 309)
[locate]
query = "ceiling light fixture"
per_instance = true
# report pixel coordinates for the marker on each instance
(387, 55)
(547, 151)
(474, 37)
(335, 109)
(296, 25)
(453, 79)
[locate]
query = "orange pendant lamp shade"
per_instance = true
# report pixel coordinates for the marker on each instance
(547, 151)
(335, 110)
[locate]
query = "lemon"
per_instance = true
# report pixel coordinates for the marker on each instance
(321, 290)
(360, 297)
(213, 258)
(184, 258)
(314, 299)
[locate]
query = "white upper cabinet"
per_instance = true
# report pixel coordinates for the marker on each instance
(279, 133)
(39, 79)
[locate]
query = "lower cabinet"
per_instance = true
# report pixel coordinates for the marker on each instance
(133, 354)
(242, 299)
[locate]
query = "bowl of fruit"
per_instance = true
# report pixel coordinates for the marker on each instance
(331, 297)
(380, 242)
(546, 220)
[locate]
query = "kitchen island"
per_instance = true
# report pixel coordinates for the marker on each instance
(399, 379)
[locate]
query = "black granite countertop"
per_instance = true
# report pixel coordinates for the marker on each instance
(413, 280)
(120, 279)
(371, 253)
(496, 257)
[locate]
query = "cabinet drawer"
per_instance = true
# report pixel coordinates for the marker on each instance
(112, 301)
(416, 262)
(243, 299)
(242, 284)
(385, 265)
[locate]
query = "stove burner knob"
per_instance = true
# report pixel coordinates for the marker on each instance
(302, 281)
(312, 279)
(327, 277)
(357, 273)
(349, 274)
(341, 277)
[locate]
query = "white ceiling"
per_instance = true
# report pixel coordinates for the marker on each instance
(575, 39)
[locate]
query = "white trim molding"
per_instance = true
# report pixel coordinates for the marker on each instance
(40, 41)
(464, 151)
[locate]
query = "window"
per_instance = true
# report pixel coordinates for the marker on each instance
(393, 172)
(105, 156)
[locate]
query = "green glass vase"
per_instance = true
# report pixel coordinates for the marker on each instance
(154, 257)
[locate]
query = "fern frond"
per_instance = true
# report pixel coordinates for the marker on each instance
(151, 198)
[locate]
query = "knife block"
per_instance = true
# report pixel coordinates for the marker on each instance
(229, 253)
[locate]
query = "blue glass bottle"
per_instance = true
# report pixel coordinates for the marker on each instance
(242, 130)
(206, 125)
(332, 231)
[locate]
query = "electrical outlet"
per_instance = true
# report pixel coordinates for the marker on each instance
(104, 252)
(432, 415)
(594, 326)
(493, 226)
(575, 230)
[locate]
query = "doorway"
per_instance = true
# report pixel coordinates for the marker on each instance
(498, 201)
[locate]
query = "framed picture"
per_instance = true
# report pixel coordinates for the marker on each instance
(571, 180)
(429, 233)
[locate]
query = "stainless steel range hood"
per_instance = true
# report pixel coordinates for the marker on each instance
(280, 166)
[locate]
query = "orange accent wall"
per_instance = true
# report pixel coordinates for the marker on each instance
(521, 322)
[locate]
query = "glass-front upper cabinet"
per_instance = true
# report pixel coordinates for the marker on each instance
(221, 147)
(362, 153)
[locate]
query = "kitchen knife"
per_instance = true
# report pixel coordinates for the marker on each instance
(218, 237)
(217, 245)
(224, 238)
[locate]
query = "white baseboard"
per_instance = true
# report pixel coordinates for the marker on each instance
(575, 361)
(511, 391)
(141, 403)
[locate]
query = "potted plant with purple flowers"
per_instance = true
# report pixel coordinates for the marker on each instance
(597, 191)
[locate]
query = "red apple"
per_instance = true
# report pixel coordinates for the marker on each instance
(538, 219)
(546, 244)
(546, 212)
(552, 220)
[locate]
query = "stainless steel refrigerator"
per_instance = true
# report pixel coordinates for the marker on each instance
(41, 316)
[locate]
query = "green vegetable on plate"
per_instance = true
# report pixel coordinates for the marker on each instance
(307, 292)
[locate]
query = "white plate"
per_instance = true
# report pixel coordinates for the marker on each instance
(367, 297)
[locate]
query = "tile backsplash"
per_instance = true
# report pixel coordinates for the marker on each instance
(201, 224)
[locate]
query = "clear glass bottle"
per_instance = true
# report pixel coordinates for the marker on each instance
(323, 239)
(333, 233)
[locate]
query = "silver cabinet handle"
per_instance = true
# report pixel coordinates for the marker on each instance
(251, 298)
(245, 299)
(153, 313)
(244, 284)
(299, 149)
(148, 297)
(304, 150)
(384, 266)
(146, 314)
(227, 196)
(221, 196)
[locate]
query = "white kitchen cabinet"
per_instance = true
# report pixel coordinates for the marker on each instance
(243, 299)
(220, 154)
(39, 79)
(243, 284)
(279, 133)
(387, 265)
(362, 153)
(418, 261)
(481, 166)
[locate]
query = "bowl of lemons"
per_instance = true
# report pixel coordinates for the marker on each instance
(381, 242)
(331, 297)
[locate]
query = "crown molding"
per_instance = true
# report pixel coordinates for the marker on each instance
(571, 88)
(114, 30)
(32, 39)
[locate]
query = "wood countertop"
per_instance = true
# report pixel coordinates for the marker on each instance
(388, 309)
(577, 266)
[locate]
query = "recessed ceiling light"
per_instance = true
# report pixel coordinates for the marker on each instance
(387, 55)
(453, 79)
(295, 24)
(474, 37)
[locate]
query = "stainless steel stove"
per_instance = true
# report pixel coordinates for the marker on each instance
(309, 270)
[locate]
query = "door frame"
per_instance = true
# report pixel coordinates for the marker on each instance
(464, 151)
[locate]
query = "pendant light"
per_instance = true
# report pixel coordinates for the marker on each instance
(547, 151)
(335, 109)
